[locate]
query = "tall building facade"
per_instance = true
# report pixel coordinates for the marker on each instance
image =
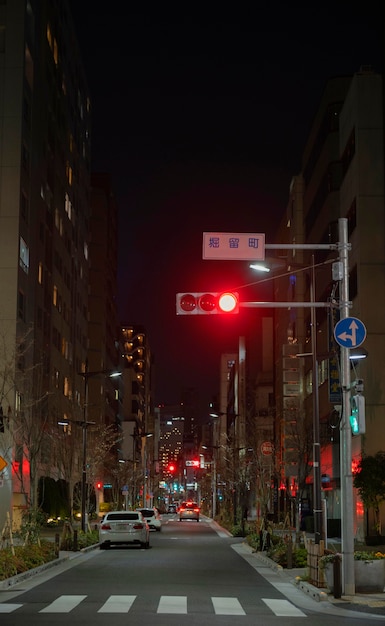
(342, 176)
(45, 252)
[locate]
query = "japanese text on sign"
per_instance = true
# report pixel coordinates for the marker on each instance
(234, 246)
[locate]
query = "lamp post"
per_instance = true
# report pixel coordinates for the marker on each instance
(84, 424)
(317, 510)
(213, 478)
(83, 497)
(142, 436)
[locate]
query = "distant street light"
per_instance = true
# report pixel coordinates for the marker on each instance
(142, 436)
(214, 477)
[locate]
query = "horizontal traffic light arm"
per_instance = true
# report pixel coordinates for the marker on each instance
(227, 303)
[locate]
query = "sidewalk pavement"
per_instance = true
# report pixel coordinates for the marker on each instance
(371, 603)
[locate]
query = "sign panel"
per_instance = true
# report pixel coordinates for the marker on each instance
(3, 463)
(234, 246)
(267, 448)
(350, 332)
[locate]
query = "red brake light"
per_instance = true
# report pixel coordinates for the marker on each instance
(106, 527)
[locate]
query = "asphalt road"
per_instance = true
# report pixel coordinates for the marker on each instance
(193, 574)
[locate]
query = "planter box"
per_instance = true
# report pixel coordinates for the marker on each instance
(369, 576)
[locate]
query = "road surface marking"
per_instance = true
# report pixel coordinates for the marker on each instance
(117, 604)
(227, 606)
(63, 604)
(173, 604)
(283, 608)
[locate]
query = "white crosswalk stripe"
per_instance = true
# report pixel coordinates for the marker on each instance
(227, 606)
(9, 608)
(63, 604)
(283, 608)
(117, 604)
(171, 605)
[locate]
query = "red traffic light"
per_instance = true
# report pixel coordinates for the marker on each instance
(99, 485)
(171, 467)
(212, 303)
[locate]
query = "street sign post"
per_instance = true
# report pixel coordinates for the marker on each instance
(234, 246)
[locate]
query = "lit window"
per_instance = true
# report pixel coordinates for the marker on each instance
(24, 255)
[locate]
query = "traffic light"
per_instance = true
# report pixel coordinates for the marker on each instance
(99, 485)
(193, 463)
(213, 303)
(357, 414)
(171, 468)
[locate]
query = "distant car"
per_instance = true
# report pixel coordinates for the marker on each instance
(124, 528)
(189, 510)
(172, 508)
(152, 518)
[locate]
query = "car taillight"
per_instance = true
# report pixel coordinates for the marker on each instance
(137, 526)
(106, 527)
(196, 510)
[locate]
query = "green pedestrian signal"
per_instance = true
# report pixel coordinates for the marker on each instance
(357, 414)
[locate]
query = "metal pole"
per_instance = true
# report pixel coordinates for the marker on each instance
(317, 510)
(214, 485)
(347, 513)
(144, 469)
(84, 477)
(84, 464)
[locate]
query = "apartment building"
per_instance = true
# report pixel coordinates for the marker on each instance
(342, 175)
(45, 252)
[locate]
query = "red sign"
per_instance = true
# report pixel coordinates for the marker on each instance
(267, 448)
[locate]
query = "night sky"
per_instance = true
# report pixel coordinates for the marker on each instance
(201, 121)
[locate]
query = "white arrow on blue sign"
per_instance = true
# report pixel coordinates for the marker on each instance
(350, 332)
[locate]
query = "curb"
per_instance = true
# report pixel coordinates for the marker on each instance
(10, 582)
(309, 589)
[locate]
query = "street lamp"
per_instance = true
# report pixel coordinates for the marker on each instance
(84, 424)
(214, 477)
(142, 436)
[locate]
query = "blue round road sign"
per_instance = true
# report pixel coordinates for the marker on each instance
(350, 332)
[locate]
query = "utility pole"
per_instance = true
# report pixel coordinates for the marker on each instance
(347, 523)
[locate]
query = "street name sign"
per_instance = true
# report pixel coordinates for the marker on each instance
(234, 246)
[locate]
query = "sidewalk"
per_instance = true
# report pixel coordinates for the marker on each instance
(371, 603)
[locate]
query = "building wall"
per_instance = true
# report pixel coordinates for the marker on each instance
(342, 175)
(44, 183)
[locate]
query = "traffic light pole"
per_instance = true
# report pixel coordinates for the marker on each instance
(347, 513)
(347, 525)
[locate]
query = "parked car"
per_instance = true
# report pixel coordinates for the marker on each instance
(124, 528)
(189, 510)
(152, 518)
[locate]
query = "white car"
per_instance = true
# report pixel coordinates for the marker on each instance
(152, 518)
(124, 528)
